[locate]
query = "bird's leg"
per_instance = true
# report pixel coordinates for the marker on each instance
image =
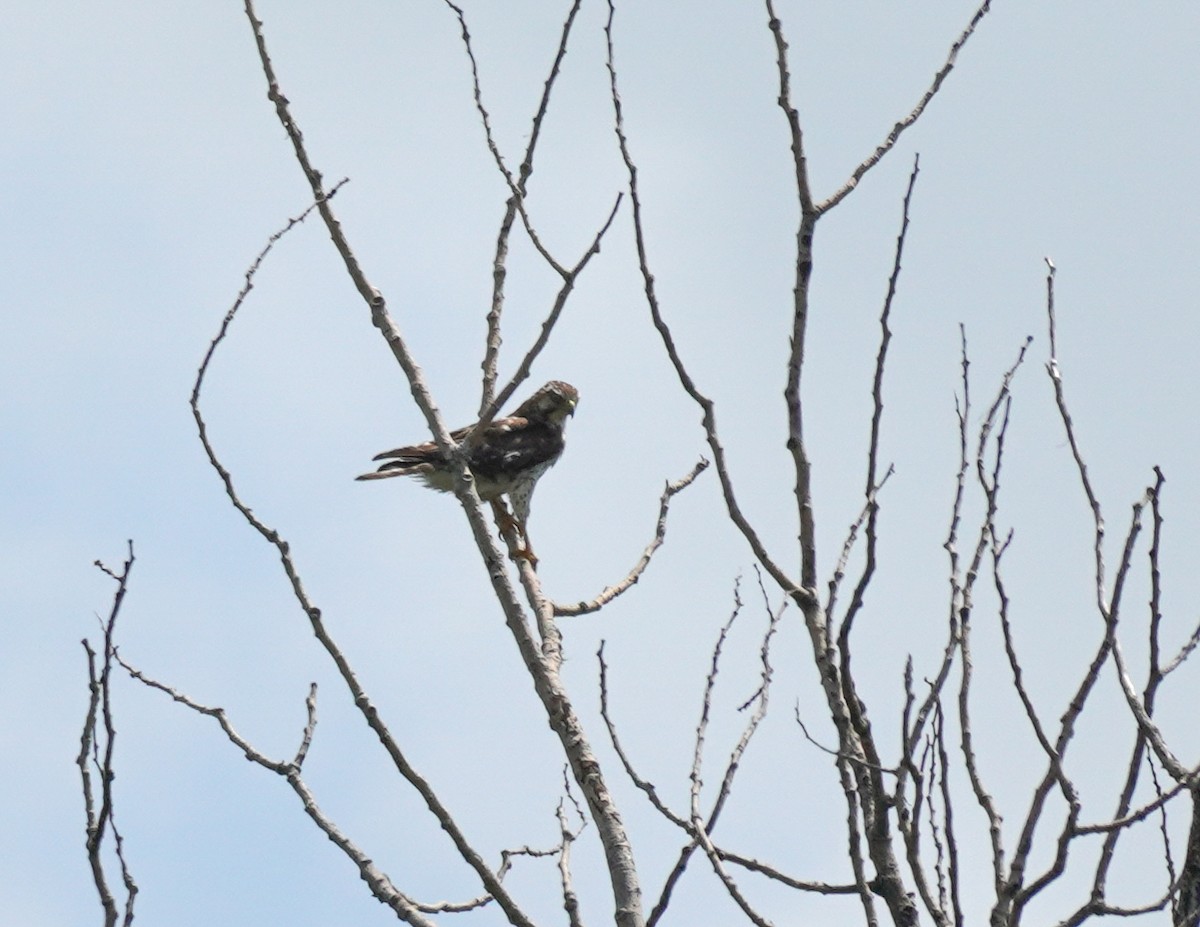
(519, 545)
(504, 520)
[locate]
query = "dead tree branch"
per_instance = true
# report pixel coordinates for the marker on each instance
(313, 613)
(96, 746)
(500, 261)
(377, 880)
(894, 136)
(660, 533)
(707, 406)
(560, 712)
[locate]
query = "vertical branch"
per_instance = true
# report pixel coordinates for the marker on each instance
(912, 732)
(987, 531)
(851, 751)
(1060, 399)
(805, 597)
(1188, 898)
(795, 365)
(873, 480)
(101, 819)
(948, 825)
(490, 402)
(491, 354)
(1154, 678)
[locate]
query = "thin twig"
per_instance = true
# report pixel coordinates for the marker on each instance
(874, 483)
(91, 754)
(660, 533)
(912, 117)
(378, 882)
(1052, 368)
(789, 586)
(1154, 678)
(513, 185)
(361, 699)
(560, 300)
(500, 261)
(644, 785)
(839, 570)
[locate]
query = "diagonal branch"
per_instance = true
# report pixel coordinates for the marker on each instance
(560, 712)
(803, 596)
(570, 276)
(361, 699)
(660, 533)
(516, 188)
(377, 880)
(500, 261)
(898, 129)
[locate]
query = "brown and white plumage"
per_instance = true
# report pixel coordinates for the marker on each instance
(507, 457)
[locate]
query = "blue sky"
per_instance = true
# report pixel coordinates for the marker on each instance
(145, 170)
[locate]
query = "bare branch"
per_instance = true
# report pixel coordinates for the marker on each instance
(759, 700)
(912, 117)
(644, 785)
(1052, 368)
(1016, 894)
(309, 729)
(660, 533)
(839, 571)
(508, 856)
(499, 262)
(965, 591)
(789, 110)
(710, 681)
(714, 858)
(569, 278)
(948, 819)
(1154, 678)
(874, 484)
(795, 364)
(559, 711)
(1187, 913)
(1184, 652)
(100, 820)
(1141, 813)
(698, 830)
(754, 865)
(913, 729)
(517, 190)
(802, 596)
(517, 186)
(1108, 610)
(378, 882)
(570, 899)
(361, 699)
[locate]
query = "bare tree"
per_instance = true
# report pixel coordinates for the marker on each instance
(904, 842)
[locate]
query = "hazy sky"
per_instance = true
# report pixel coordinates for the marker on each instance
(144, 170)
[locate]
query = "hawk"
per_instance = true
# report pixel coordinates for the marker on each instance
(507, 457)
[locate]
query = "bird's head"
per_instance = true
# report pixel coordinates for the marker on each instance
(553, 402)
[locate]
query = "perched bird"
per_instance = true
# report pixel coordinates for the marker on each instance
(507, 457)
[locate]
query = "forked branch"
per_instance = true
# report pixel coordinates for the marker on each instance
(96, 758)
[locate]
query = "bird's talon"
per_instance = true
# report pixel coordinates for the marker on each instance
(505, 458)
